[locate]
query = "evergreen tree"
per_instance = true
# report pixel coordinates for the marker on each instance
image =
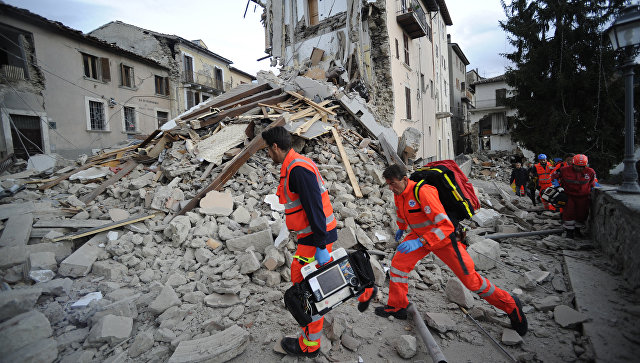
(569, 92)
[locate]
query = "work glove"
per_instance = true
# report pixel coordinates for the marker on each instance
(399, 234)
(409, 245)
(555, 183)
(322, 256)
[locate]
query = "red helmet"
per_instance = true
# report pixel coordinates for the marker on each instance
(580, 160)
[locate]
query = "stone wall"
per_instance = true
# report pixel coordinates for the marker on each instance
(615, 228)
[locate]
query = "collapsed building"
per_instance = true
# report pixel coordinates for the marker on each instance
(173, 249)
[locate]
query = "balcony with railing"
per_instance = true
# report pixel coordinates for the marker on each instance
(411, 18)
(202, 81)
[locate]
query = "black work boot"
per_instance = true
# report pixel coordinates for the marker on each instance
(518, 320)
(292, 347)
(387, 311)
(570, 233)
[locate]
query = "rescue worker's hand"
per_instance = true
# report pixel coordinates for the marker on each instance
(322, 256)
(409, 245)
(399, 234)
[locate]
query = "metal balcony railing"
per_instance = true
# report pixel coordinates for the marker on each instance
(412, 18)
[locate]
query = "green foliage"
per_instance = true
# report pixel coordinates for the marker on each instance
(569, 92)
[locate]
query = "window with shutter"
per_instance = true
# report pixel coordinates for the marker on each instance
(106, 71)
(314, 18)
(406, 49)
(407, 92)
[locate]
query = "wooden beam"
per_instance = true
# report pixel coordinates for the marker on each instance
(68, 223)
(231, 167)
(347, 163)
(64, 176)
(311, 103)
(149, 138)
(259, 97)
(104, 227)
(111, 153)
(237, 111)
(239, 96)
(126, 168)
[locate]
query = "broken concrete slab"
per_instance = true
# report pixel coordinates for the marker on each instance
(22, 330)
(259, 240)
(56, 287)
(346, 238)
(532, 278)
(44, 351)
(406, 346)
(13, 209)
(440, 321)
(118, 214)
(86, 299)
(92, 173)
(110, 329)
(42, 261)
(178, 230)
(567, 317)
(42, 163)
(110, 269)
(219, 347)
(141, 343)
(273, 258)
(221, 300)
(510, 337)
(486, 217)
(61, 250)
(548, 303)
(17, 230)
(249, 262)
(80, 262)
(17, 301)
(166, 299)
(12, 256)
(217, 203)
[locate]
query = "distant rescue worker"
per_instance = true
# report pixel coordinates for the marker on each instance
(567, 161)
(532, 185)
(431, 230)
(308, 212)
(519, 176)
(543, 173)
(577, 181)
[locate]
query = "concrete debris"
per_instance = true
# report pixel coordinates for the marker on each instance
(484, 254)
(110, 329)
(15, 302)
(166, 299)
(406, 346)
(458, 293)
(217, 203)
(219, 347)
(567, 317)
(511, 337)
(85, 300)
(439, 321)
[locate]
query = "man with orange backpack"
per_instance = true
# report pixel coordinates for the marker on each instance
(431, 230)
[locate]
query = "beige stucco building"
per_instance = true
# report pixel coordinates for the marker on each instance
(239, 77)
(197, 73)
(69, 93)
(394, 53)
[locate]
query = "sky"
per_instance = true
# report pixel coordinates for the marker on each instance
(222, 27)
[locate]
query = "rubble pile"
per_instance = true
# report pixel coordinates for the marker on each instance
(175, 248)
(493, 165)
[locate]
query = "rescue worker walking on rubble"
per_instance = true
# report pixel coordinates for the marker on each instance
(577, 180)
(309, 213)
(532, 185)
(431, 230)
(543, 173)
(519, 176)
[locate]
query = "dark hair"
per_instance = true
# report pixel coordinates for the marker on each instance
(277, 135)
(394, 171)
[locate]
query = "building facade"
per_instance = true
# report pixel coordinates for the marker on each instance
(67, 93)
(394, 53)
(489, 119)
(239, 77)
(197, 73)
(460, 98)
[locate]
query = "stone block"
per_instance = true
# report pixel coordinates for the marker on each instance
(43, 261)
(273, 258)
(350, 342)
(141, 343)
(548, 303)
(484, 254)
(378, 272)
(60, 249)
(22, 330)
(217, 203)
(458, 293)
(178, 230)
(17, 230)
(17, 301)
(346, 239)
(567, 317)
(110, 269)
(166, 299)
(511, 337)
(258, 224)
(440, 321)
(221, 300)
(117, 214)
(56, 287)
(111, 329)
(219, 347)
(271, 278)
(260, 240)
(532, 278)
(406, 346)
(80, 262)
(249, 262)
(12, 256)
(241, 215)
(486, 217)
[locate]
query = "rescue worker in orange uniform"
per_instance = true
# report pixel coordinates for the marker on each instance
(431, 230)
(544, 170)
(308, 212)
(577, 180)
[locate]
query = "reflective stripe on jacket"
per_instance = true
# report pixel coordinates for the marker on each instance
(428, 219)
(295, 216)
(544, 175)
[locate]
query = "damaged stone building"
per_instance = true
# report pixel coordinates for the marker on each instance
(393, 52)
(461, 98)
(69, 93)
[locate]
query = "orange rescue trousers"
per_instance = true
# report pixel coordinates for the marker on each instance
(402, 264)
(310, 339)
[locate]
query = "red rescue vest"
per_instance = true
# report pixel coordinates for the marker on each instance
(295, 216)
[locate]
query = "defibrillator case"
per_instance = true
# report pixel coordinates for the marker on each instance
(324, 288)
(555, 196)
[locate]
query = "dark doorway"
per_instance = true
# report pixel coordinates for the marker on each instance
(30, 128)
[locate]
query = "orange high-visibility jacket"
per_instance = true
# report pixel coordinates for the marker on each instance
(295, 216)
(544, 175)
(427, 219)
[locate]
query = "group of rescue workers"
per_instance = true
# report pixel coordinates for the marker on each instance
(573, 174)
(309, 213)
